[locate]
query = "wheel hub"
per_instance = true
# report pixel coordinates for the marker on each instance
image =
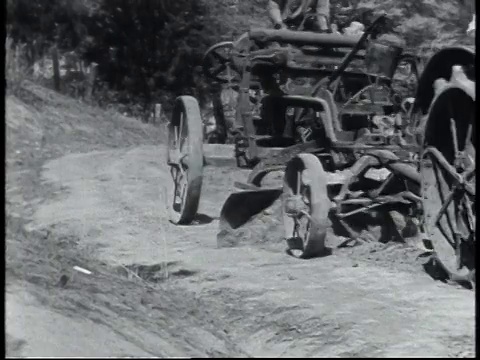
(176, 158)
(295, 206)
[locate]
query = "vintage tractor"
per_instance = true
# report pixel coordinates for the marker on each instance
(374, 152)
(306, 63)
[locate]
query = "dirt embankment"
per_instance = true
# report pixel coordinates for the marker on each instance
(111, 312)
(85, 188)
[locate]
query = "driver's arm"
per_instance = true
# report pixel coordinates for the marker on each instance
(323, 13)
(275, 14)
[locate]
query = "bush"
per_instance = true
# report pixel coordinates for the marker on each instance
(152, 49)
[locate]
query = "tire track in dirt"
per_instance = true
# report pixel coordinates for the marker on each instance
(269, 304)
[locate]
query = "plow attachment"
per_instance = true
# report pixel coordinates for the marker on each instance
(240, 207)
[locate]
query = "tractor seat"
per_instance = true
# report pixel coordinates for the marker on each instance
(381, 60)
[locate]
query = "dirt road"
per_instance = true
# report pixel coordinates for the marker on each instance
(163, 290)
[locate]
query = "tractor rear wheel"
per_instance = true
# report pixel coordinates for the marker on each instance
(448, 174)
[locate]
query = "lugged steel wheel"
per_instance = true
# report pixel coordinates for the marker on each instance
(305, 206)
(448, 174)
(185, 158)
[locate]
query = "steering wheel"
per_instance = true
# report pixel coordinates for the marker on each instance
(218, 65)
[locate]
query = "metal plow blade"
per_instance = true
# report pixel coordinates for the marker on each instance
(240, 207)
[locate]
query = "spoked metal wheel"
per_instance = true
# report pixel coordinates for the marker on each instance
(185, 158)
(305, 206)
(218, 65)
(448, 174)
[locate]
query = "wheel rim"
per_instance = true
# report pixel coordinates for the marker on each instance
(449, 160)
(218, 65)
(305, 206)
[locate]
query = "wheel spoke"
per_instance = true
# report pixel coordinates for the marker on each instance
(181, 170)
(175, 137)
(299, 183)
(183, 190)
(174, 173)
(180, 132)
(177, 184)
(468, 137)
(181, 186)
(296, 225)
(184, 162)
(445, 235)
(453, 130)
(219, 57)
(465, 218)
(304, 214)
(445, 205)
(218, 70)
(229, 74)
(446, 210)
(469, 214)
(180, 174)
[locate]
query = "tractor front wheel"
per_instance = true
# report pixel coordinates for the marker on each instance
(305, 206)
(185, 158)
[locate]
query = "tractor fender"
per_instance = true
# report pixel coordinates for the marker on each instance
(440, 66)
(458, 89)
(437, 126)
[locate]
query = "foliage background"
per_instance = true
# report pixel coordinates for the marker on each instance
(151, 50)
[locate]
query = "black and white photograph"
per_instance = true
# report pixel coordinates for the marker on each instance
(240, 178)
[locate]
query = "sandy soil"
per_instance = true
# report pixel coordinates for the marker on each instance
(92, 195)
